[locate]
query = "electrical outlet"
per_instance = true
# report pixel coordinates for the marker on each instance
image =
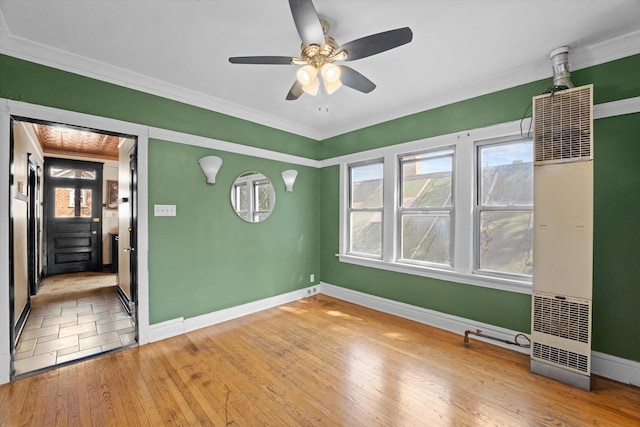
(164, 210)
(312, 278)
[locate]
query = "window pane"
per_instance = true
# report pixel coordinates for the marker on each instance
(366, 232)
(506, 242)
(263, 195)
(427, 183)
(506, 173)
(72, 202)
(57, 172)
(366, 186)
(426, 237)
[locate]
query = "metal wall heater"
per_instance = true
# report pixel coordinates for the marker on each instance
(563, 235)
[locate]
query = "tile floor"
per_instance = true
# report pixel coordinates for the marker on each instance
(73, 316)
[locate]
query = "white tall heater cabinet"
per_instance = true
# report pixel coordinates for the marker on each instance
(563, 235)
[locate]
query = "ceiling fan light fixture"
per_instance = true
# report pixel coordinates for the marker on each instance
(331, 77)
(307, 75)
(312, 88)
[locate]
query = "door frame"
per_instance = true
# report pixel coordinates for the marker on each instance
(10, 108)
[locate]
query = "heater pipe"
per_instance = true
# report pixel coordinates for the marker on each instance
(515, 341)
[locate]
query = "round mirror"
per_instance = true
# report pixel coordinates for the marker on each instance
(252, 196)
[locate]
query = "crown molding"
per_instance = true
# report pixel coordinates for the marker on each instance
(581, 57)
(21, 48)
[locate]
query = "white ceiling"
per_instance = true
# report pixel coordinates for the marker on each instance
(180, 49)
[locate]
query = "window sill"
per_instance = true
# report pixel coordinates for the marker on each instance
(503, 284)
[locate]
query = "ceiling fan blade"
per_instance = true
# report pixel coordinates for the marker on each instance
(376, 43)
(276, 60)
(295, 91)
(307, 22)
(355, 80)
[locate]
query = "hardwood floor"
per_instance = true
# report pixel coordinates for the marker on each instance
(314, 362)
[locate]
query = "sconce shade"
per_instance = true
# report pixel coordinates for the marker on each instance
(210, 166)
(289, 178)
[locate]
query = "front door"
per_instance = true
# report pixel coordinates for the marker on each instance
(73, 210)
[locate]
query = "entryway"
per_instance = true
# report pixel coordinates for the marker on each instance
(73, 264)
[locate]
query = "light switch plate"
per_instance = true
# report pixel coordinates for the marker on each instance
(164, 210)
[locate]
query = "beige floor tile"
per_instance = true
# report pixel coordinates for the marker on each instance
(77, 329)
(55, 345)
(92, 333)
(42, 332)
(58, 320)
(106, 307)
(21, 356)
(79, 354)
(26, 345)
(114, 326)
(108, 338)
(128, 338)
(81, 309)
(33, 322)
(34, 363)
(93, 317)
(68, 350)
(111, 346)
(48, 338)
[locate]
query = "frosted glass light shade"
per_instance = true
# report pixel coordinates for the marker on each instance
(289, 178)
(308, 77)
(210, 166)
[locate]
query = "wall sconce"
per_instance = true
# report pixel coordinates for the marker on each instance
(289, 178)
(210, 166)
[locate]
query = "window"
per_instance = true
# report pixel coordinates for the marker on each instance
(504, 208)
(456, 207)
(426, 207)
(241, 200)
(262, 191)
(365, 209)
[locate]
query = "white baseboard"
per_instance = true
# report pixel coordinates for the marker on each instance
(605, 365)
(615, 368)
(174, 327)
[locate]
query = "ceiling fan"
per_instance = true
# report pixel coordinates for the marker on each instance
(319, 51)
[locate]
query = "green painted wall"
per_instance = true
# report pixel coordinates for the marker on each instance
(613, 81)
(617, 223)
(207, 258)
(37, 84)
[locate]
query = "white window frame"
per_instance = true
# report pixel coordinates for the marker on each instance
(401, 211)
(463, 270)
(479, 208)
(350, 210)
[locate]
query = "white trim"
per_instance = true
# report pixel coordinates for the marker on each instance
(615, 368)
(174, 327)
(600, 111)
(582, 57)
(448, 322)
(231, 147)
(605, 365)
(499, 283)
(616, 108)
(5, 214)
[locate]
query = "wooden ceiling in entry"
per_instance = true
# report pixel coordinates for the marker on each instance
(70, 141)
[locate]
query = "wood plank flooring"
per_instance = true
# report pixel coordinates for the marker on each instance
(314, 362)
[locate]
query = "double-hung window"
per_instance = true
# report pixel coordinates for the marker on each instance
(426, 207)
(365, 209)
(504, 208)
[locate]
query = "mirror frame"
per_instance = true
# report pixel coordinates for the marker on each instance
(252, 179)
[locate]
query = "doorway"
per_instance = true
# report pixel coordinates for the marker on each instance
(69, 264)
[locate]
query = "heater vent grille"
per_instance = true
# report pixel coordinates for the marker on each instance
(561, 318)
(562, 357)
(563, 123)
